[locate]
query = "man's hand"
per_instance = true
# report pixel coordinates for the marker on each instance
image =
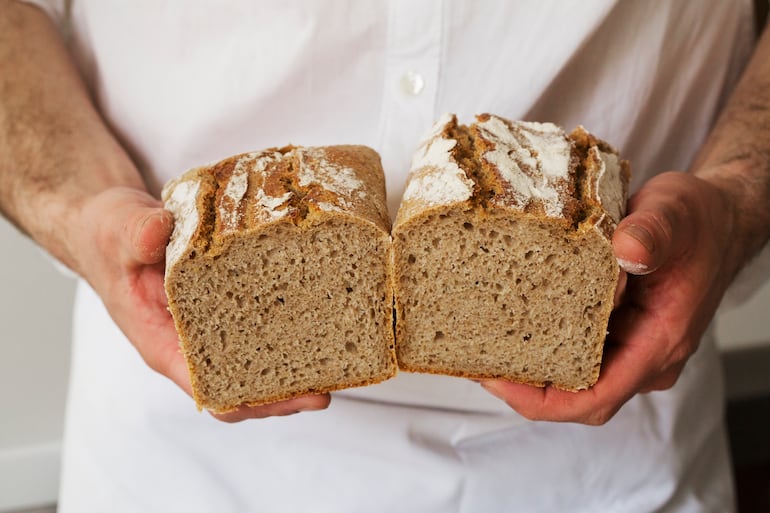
(674, 244)
(122, 235)
(67, 183)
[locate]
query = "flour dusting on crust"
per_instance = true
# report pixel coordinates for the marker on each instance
(533, 159)
(436, 178)
(609, 188)
(182, 203)
(332, 177)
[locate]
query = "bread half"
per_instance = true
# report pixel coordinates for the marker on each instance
(278, 274)
(503, 261)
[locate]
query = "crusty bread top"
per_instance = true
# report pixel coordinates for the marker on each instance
(527, 167)
(291, 184)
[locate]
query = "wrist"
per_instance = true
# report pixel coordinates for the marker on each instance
(740, 212)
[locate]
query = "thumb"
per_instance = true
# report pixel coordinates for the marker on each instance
(655, 226)
(141, 227)
(149, 235)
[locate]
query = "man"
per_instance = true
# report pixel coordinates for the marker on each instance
(89, 133)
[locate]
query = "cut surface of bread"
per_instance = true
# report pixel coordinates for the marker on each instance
(503, 262)
(278, 274)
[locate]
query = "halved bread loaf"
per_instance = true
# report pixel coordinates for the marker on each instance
(503, 261)
(278, 274)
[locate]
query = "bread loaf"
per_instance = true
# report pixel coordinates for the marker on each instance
(278, 274)
(503, 261)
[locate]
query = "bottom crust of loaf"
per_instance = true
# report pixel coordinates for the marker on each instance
(485, 295)
(285, 311)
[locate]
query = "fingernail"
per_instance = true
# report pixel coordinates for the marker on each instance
(636, 268)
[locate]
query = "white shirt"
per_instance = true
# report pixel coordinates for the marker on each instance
(188, 82)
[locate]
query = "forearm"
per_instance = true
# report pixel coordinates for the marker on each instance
(55, 150)
(736, 157)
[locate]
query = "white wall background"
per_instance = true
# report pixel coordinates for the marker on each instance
(35, 305)
(35, 337)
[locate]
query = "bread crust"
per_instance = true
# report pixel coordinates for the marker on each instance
(271, 193)
(505, 168)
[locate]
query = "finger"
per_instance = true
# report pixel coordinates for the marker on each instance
(657, 226)
(151, 229)
(282, 408)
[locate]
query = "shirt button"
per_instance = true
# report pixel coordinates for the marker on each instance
(412, 83)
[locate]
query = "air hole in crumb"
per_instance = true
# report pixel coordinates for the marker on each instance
(549, 259)
(265, 371)
(468, 226)
(247, 364)
(507, 240)
(482, 248)
(351, 348)
(528, 255)
(527, 337)
(508, 333)
(280, 300)
(324, 361)
(411, 259)
(348, 289)
(570, 292)
(439, 335)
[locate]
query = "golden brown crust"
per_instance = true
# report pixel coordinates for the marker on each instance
(501, 191)
(523, 174)
(253, 195)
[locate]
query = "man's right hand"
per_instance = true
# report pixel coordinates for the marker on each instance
(120, 237)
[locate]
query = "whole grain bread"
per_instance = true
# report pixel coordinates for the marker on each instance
(278, 274)
(502, 254)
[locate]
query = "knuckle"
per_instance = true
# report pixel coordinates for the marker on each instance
(682, 351)
(599, 418)
(666, 381)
